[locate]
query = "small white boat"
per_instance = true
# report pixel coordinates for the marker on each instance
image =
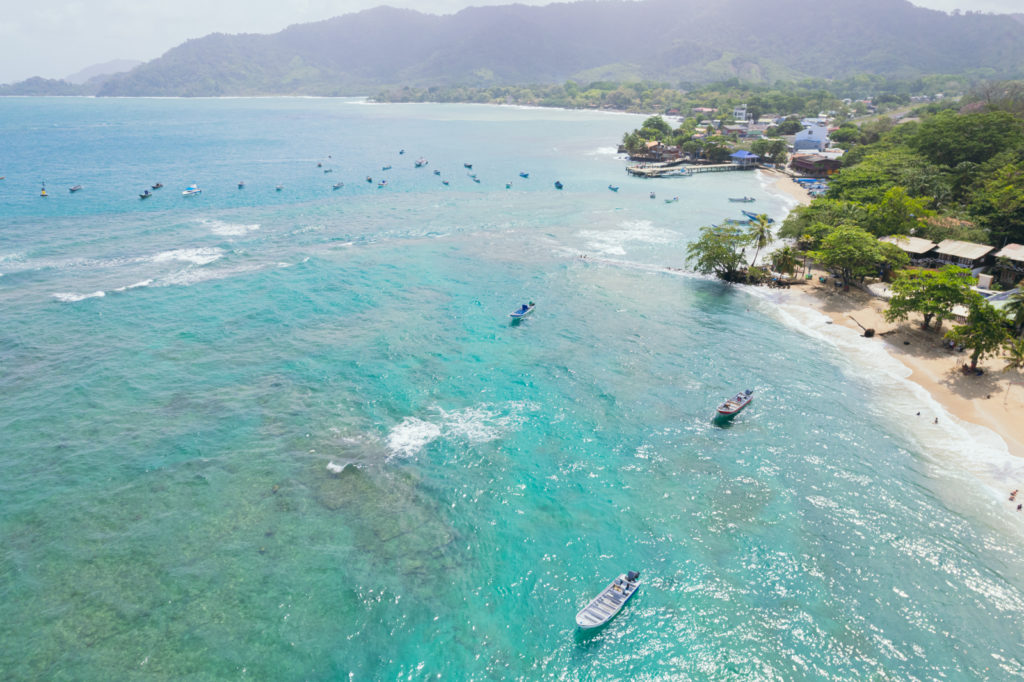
(606, 605)
(420, 162)
(732, 406)
(742, 200)
(75, 188)
(338, 185)
(523, 311)
(191, 190)
(279, 188)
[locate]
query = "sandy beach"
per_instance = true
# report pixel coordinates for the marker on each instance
(993, 400)
(784, 184)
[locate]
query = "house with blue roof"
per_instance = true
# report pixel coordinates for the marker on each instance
(744, 159)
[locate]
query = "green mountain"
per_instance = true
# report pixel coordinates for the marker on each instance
(665, 40)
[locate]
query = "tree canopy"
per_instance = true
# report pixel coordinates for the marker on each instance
(851, 250)
(985, 332)
(718, 251)
(932, 293)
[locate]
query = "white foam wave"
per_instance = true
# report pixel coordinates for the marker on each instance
(953, 445)
(137, 285)
(474, 425)
(73, 298)
(605, 151)
(613, 242)
(12, 257)
(228, 229)
(198, 256)
(411, 436)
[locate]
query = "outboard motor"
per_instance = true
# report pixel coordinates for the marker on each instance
(632, 576)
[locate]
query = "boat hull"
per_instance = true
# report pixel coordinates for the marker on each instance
(520, 314)
(608, 604)
(733, 406)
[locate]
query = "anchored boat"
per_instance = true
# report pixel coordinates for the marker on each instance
(191, 190)
(606, 605)
(733, 406)
(523, 311)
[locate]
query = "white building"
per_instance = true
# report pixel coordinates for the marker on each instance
(740, 113)
(813, 136)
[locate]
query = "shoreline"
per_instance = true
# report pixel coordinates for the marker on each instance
(993, 401)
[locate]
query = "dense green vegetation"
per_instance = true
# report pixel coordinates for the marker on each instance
(950, 175)
(803, 97)
(946, 174)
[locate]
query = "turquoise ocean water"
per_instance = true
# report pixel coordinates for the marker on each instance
(177, 374)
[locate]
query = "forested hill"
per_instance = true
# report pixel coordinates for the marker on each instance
(672, 40)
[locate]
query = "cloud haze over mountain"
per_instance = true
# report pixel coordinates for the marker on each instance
(60, 37)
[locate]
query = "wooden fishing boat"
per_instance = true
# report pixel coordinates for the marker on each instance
(734, 405)
(607, 605)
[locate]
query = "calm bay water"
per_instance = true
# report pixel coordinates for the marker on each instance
(177, 373)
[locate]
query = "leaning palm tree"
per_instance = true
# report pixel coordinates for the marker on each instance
(1014, 354)
(784, 260)
(760, 235)
(1015, 309)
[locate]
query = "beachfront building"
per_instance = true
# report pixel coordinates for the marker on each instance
(918, 249)
(744, 159)
(814, 136)
(965, 254)
(815, 165)
(1011, 270)
(739, 113)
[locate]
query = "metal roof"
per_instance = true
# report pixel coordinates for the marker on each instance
(968, 250)
(1013, 252)
(914, 245)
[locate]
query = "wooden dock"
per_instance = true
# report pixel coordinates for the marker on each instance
(662, 170)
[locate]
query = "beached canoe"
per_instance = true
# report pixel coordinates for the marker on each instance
(606, 605)
(734, 405)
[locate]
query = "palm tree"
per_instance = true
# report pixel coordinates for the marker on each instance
(1014, 354)
(760, 235)
(1015, 309)
(784, 260)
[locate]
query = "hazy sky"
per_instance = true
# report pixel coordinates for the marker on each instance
(57, 38)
